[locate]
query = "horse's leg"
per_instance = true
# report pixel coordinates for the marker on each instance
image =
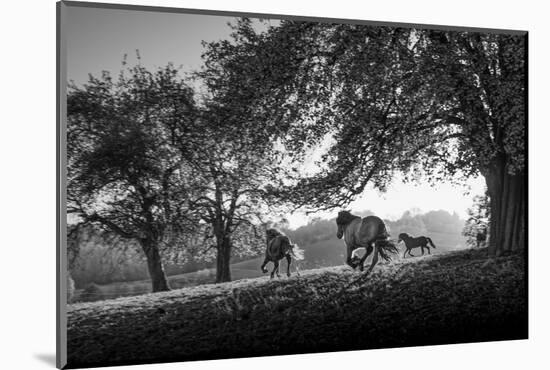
(275, 268)
(428, 248)
(374, 259)
(405, 251)
(288, 259)
(349, 257)
(410, 254)
(362, 260)
(422, 249)
(266, 260)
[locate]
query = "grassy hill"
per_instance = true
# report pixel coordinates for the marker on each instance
(97, 292)
(447, 298)
(322, 253)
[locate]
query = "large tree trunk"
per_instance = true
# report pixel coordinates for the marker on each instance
(508, 202)
(223, 258)
(154, 265)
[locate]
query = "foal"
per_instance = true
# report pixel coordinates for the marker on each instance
(410, 243)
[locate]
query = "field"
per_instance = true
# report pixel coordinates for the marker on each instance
(97, 292)
(451, 297)
(322, 253)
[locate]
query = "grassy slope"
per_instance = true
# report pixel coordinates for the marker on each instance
(318, 254)
(448, 298)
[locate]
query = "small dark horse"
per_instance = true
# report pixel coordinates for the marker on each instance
(279, 247)
(369, 233)
(410, 243)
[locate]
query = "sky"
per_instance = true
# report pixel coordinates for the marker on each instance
(401, 197)
(98, 40)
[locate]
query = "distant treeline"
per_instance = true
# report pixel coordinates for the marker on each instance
(415, 224)
(98, 262)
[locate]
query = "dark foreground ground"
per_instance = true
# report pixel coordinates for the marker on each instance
(452, 298)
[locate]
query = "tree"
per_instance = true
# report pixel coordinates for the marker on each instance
(434, 105)
(235, 170)
(442, 221)
(484, 75)
(478, 219)
(230, 203)
(410, 224)
(126, 172)
(103, 257)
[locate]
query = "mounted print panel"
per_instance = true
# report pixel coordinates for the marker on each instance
(238, 185)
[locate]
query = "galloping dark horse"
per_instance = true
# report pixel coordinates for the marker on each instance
(410, 243)
(279, 247)
(369, 233)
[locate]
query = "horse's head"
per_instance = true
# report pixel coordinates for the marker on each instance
(343, 219)
(402, 237)
(272, 233)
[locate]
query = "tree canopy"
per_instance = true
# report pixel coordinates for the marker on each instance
(150, 163)
(126, 172)
(432, 105)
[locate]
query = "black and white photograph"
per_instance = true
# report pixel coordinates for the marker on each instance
(242, 185)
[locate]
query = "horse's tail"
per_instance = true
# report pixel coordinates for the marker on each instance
(430, 241)
(296, 252)
(386, 247)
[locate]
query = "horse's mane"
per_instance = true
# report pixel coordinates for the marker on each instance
(345, 217)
